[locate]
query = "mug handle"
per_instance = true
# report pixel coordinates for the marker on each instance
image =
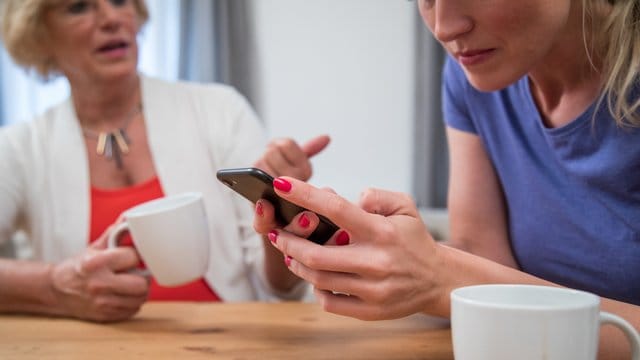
(112, 242)
(629, 331)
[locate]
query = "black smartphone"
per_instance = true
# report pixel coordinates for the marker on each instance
(255, 184)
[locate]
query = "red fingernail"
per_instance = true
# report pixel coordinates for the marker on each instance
(304, 221)
(287, 260)
(273, 236)
(282, 184)
(342, 239)
(259, 208)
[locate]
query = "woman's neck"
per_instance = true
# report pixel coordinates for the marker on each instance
(568, 80)
(104, 105)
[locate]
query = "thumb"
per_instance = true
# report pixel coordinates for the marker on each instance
(387, 203)
(101, 242)
(113, 259)
(316, 145)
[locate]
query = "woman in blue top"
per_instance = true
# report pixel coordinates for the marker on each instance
(540, 100)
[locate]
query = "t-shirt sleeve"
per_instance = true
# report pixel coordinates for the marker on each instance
(455, 87)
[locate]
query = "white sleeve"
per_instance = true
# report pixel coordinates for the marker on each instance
(12, 182)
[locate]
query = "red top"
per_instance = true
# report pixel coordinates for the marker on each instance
(107, 205)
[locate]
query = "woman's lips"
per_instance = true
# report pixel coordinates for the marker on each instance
(114, 50)
(474, 57)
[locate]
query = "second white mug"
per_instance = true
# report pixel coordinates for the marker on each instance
(506, 322)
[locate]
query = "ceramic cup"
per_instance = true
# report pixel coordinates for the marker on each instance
(171, 235)
(506, 322)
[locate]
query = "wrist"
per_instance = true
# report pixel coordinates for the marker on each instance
(51, 294)
(443, 281)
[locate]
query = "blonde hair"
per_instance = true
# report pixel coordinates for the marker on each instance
(617, 44)
(24, 30)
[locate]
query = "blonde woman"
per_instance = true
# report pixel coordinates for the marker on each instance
(121, 139)
(541, 102)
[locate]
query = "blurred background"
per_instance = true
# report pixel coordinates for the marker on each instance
(365, 72)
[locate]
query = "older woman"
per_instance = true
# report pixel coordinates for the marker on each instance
(122, 139)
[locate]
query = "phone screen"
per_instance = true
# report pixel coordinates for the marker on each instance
(255, 184)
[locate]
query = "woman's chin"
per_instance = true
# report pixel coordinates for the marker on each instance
(488, 85)
(490, 82)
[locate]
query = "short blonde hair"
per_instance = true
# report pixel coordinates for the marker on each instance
(24, 29)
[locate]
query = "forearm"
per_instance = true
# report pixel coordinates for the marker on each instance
(277, 272)
(25, 287)
(494, 252)
(459, 268)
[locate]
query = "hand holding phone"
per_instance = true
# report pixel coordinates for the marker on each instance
(255, 184)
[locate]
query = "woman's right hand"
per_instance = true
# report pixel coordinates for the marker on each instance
(96, 286)
(383, 256)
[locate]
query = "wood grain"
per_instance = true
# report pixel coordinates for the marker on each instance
(164, 330)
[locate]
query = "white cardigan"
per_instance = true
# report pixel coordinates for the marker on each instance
(193, 130)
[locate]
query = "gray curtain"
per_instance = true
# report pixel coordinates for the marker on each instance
(431, 168)
(217, 43)
(2, 99)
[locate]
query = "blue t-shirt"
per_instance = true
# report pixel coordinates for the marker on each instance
(572, 193)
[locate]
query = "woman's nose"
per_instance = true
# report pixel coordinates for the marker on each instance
(450, 20)
(108, 14)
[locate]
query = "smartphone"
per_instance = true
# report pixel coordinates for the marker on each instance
(255, 184)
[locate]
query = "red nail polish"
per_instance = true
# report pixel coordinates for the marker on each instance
(282, 184)
(343, 238)
(287, 260)
(273, 236)
(259, 208)
(304, 221)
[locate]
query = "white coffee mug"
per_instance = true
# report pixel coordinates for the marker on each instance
(171, 235)
(506, 322)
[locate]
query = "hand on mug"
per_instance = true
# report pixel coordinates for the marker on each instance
(94, 285)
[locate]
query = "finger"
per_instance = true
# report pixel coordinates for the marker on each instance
(101, 242)
(114, 308)
(383, 202)
(115, 259)
(264, 220)
(303, 224)
(339, 210)
(351, 306)
(130, 285)
(322, 258)
(122, 284)
(316, 145)
(331, 190)
(274, 158)
(345, 283)
(340, 238)
(296, 160)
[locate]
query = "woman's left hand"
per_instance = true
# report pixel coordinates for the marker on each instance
(387, 262)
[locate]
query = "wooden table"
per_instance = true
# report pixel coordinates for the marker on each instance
(226, 331)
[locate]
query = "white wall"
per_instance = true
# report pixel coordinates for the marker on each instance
(344, 68)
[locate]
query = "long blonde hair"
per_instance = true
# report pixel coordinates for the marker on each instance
(617, 43)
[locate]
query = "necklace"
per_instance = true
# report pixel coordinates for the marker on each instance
(113, 144)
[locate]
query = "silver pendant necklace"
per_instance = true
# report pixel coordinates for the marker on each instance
(114, 144)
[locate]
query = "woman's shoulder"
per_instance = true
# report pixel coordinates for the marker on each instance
(24, 132)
